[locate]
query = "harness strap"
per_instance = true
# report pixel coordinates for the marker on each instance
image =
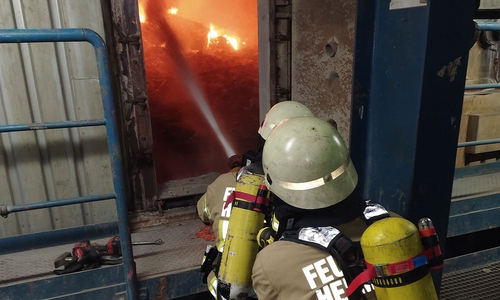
(340, 247)
(387, 270)
(240, 195)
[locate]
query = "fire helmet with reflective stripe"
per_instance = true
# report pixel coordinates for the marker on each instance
(280, 112)
(307, 165)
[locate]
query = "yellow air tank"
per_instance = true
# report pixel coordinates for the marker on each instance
(393, 247)
(241, 247)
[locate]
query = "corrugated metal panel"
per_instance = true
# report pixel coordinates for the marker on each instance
(50, 82)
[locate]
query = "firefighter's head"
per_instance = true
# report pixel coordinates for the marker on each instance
(307, 165)
(280, 112)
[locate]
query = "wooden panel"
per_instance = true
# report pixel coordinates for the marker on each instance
(483, 127)
(474, 104)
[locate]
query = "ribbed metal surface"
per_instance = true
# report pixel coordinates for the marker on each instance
(181, 250)
(479, 283)
(52, 82)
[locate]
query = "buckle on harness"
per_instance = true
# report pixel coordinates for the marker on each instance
(381, 270)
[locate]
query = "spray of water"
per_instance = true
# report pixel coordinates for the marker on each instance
(174, 49)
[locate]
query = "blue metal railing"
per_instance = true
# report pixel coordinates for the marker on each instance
(86, 35)
(476, 143)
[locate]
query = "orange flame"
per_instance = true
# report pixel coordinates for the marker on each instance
(213, 34)
(173, 10)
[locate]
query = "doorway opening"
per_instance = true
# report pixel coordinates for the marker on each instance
(201, 61)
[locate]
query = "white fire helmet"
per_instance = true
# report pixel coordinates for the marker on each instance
(307, 165)
(280, 112)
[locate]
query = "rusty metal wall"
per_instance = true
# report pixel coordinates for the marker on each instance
(322, 58)
(50, 82)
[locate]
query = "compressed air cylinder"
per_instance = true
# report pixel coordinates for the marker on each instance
(240, 247)
(393, 247)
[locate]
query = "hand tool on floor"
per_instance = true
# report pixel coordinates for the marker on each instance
(157, 242)
(85, 255)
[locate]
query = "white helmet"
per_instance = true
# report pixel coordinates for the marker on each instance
(307, 165)
(280, 112)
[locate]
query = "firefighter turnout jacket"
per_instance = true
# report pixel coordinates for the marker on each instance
(291, 270)
(211, 208)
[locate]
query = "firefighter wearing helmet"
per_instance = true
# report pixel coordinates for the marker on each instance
(308, 167)
(212, 208)
(280, 112)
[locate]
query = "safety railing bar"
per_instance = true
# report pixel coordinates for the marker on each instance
(487, 26)
(88, 35)
(51, 125)
(482, 86)
(5, 210)
(57, 237)
(476, 143)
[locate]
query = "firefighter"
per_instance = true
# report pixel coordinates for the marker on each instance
(280, 112)
(307, 166)
(212, 207)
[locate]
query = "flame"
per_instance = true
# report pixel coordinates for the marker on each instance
(213, 34)
(232, 41)
(142, 14)
(173, 10)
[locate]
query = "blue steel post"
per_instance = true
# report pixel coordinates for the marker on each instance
(409, 77)
(81, 34)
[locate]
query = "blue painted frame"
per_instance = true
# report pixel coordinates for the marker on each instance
(407, 104)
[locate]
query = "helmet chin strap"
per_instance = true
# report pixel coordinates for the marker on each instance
(290, 217)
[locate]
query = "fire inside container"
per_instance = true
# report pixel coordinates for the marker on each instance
(202, 73)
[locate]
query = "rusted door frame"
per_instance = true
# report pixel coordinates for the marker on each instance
(123, 37)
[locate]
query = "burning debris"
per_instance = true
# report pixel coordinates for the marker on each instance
(186, 62)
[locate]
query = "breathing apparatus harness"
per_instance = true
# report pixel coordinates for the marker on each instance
(309, 228)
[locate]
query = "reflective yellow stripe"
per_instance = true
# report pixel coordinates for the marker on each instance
(300, 186)
(268, 125)
(212, 287)
(275, 223)
(223, 227)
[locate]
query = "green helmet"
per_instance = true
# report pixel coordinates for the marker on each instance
(280, 112)
(307, 165)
